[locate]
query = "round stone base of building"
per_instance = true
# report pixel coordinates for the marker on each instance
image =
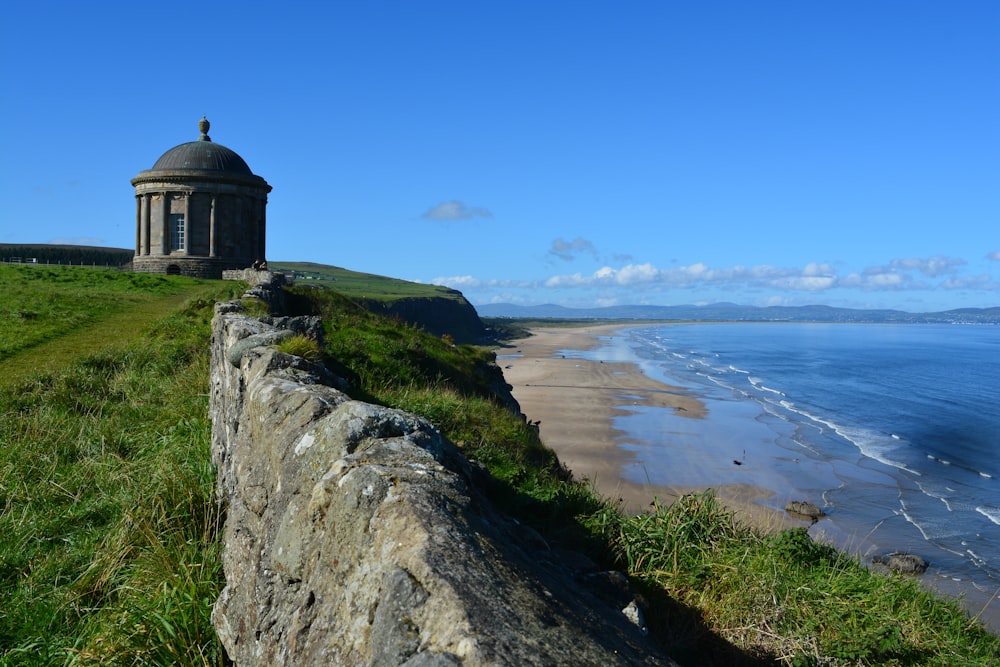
(196, 267)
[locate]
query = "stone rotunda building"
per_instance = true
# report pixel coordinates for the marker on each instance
(199, 211)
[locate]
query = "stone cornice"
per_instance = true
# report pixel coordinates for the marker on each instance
(194, 176)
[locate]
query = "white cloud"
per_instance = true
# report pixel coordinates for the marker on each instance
(762, 284)
(573, 280)
(980, 282)
(471, 282)
(455, 210)
(568, 250)
(805, 283)
(883, 280)
(458, 282)
(995, 256)
(812, 277)
(814, 269)
(633, 274)
(931, 267)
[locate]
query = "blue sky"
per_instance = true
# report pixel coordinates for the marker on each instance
(581, 153)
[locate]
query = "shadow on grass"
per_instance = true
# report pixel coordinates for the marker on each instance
(678, 629)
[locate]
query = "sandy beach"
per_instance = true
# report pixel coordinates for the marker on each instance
(575, 402)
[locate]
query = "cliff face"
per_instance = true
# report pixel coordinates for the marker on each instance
(438, 316)
(355, 534)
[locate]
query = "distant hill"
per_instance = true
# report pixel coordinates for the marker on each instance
(728, 312)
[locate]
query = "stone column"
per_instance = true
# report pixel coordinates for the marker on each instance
(211, 227)
(263, 228)
(138, 225)
(165, 244)
(257, 241)
(144, 231)
(187, 222)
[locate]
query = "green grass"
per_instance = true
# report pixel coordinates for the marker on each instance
(108, 522)
(42, 303)
(361, 285)
(783, 597)
(109, 531)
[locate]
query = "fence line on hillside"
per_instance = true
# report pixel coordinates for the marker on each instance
(33, 261)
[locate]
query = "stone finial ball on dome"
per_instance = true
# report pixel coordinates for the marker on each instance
(203, 126)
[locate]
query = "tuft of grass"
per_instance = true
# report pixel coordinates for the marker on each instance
(301, 346)
(254, 307)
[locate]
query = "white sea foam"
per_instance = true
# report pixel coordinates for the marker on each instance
(759, 384)
(916, 524)
(934, 529)
(946, 462)
(991, 513)
(871, 443)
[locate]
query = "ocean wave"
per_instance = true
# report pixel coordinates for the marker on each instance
(759, 384)
(874, 445)
(715, 379)
(935, 530)
(916, 524)
(947, 462)
(991, 513)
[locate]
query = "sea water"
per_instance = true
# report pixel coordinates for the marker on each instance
(894, 430)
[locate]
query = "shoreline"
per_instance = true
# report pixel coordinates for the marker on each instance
(575, 402)
(576, 398)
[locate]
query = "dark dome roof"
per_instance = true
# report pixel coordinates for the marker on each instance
(203, 155)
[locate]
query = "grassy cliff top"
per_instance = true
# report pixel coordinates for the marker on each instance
(357, 285)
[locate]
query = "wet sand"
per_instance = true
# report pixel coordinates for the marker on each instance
(575, 402)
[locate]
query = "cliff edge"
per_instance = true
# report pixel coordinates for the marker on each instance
(355, 534)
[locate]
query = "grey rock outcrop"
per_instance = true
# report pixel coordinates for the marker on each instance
(805, 510)
(902, 563)
(355, 535)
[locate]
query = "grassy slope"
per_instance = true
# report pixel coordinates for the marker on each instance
(108, 523)
(51, 316)
(362, 285)
(108, 527)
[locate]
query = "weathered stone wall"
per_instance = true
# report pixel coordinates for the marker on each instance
(195, 267)
(355, 534)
